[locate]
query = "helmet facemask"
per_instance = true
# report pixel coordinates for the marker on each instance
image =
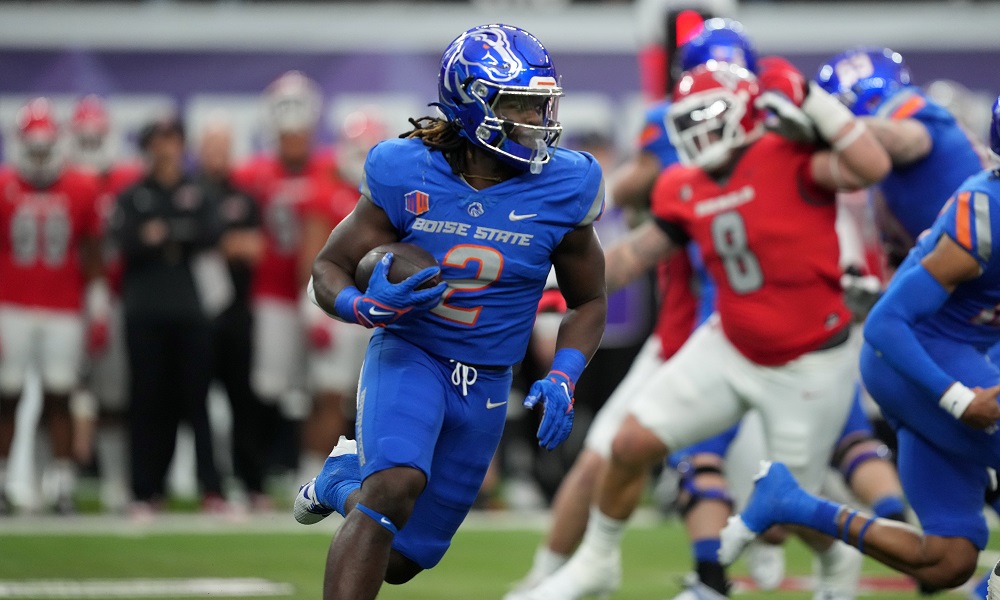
(520, 124)
(706, 127)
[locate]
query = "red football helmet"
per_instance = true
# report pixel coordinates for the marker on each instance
(39, 158)
(90, 117)
(713, 113)
(90, 126)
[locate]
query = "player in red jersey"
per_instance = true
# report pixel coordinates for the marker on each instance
(762, 209)
(49, 253)
(335, 350)
(100, 401)
(288, 183)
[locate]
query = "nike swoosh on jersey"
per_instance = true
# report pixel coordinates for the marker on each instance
(516, 217)
(491, 404)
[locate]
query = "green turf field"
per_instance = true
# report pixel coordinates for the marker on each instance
(486, 557)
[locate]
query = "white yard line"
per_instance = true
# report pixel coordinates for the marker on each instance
(144, 588)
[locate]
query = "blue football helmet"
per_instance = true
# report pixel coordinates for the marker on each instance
(497, 83)
(721, 40)
(864, 78)
(995, 128)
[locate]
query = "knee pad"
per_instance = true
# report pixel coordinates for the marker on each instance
(691, 494)
(879, 452)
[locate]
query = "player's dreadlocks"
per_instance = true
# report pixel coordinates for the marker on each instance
(440, 134)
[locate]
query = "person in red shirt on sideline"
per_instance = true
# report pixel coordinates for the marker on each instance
(335, 350)
(99, 402)
(49, 246)
(288, 182)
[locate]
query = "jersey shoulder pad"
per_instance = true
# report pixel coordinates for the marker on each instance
(577, 178)
(972, 215)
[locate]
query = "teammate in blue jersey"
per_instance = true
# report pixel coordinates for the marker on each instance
(931, 153)
(925, 362)
(488, 193)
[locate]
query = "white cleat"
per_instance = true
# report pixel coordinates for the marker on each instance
(734, 538)
(342, 464)
(307, 510)
(694, 589)
(584, 576)
(766, 564)
(544, 564)
(839, 569)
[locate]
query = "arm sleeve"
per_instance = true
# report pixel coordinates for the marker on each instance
(913, 296)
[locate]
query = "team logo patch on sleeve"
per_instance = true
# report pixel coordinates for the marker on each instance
(418, 202)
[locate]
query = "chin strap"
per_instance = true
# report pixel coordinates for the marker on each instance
(536, 161)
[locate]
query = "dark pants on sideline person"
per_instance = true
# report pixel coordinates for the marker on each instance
(250, 434)
(171, 367)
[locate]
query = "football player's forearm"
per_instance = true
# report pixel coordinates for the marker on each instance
(636, 254)
(906, 141)
(582, 327)
(328, 280)
(913, 296)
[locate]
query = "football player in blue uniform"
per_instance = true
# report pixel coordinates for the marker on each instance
(488, 193)
(925, 362)
(931, 153)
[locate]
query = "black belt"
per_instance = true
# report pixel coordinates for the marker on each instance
(497, 368)
(836, 339)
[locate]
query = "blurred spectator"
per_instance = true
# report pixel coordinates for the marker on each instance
(288, 182)
(242, 245)
(336, 349)
(171, 288)
(100, 403)
(51, 255)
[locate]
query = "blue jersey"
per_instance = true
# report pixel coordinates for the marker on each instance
(654, 138)
(914, 194)
(494, 245)
(971, 218)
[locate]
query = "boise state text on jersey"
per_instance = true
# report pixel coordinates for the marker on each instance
(493, 245)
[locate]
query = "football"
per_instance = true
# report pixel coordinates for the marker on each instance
(407, 259)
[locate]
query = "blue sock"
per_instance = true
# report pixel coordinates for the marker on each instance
(337, 480)
(812, 511)
(706, 550)
(889, 507)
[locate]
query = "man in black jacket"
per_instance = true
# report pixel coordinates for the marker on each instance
(171, 287)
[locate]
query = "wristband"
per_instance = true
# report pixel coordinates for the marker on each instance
(570, 362)
(828, 113)
(343, 305)
(850, 137)
(956, 399)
